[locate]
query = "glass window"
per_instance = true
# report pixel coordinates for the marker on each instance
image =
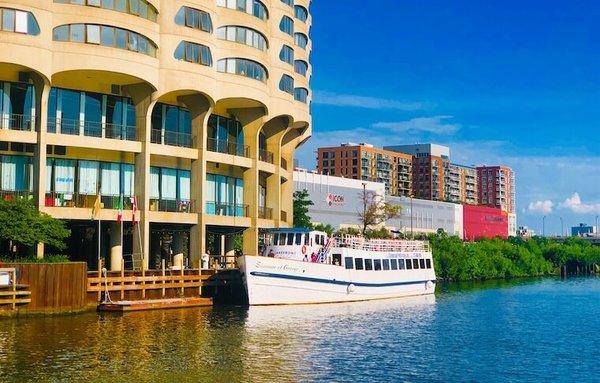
(301, 94)
(301, 67)
(88, 177)
(243, 67)
(428, 262)
(93, 114)
(415, 263)
(194, 18)
(286, 84)
(286, 25)
(194, 53)
(358, 263)
(394, 264)
(110, 182)
(64, 176)
(282, 239)
(290, 239)
(93, 34)
(422, 263)
(8, 20)
(77, 33)
(61, 33)
(301, 40)
(298, 239)
(107, 36)
(286, 54)
(348, 263)
(301, 13)
(386, 264)
(377, 263)
(368, 264)
(288, 2)
(408, 264)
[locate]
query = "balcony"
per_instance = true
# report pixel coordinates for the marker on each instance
(173, 205)
(54, 199)
(182, 140)
(227, 209)
(92, 129)
(265, 156)
(227, 147)
(265, 212)
(10, 195)
(17, 122)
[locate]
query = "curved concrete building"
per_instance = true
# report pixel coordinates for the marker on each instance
(195, 108)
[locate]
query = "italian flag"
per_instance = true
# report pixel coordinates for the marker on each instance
(134, 208)
(120, 208)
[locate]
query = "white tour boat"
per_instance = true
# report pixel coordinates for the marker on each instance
(298, 266)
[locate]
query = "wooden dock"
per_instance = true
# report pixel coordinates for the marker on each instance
(13, 294)
(154, 304)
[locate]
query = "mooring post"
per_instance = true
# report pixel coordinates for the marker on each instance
(122, 279)
(162, 264)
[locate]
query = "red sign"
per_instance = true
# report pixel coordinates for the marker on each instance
(334, 199)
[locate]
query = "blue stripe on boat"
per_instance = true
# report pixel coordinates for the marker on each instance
(333, 281)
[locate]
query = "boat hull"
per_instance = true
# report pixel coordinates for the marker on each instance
(274, 281)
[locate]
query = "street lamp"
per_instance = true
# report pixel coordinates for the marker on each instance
(597, 233)
(562, 229)
(411, 216)
(543, 226)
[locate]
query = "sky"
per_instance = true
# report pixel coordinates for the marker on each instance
(500, 82)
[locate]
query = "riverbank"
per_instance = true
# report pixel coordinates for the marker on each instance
(497, 258)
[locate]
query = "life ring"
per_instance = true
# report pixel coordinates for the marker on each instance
(351, 288)
(303, 249)
(428, 285)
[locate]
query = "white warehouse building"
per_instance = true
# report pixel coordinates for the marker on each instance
(337, 201)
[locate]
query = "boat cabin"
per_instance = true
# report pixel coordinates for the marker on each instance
(295, 244)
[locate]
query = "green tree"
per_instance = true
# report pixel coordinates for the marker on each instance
(301, 205)
(22, 224)
(327, 228)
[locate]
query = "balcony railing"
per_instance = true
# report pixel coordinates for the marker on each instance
(92, 129)
(173, 205)
(265, 156)
(10, 195)
(227, 209)
(54, 199)
(227, 147)
(166, 137)
(265, 212)
(17, 122)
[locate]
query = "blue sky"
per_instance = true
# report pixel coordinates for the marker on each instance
(500, 82)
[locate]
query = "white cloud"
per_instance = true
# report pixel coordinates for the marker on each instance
(575, 204)
(540, 207)
(366, 102)
(435, 125)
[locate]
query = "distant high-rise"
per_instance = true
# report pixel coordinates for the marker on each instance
(461, 184)
(496, 187)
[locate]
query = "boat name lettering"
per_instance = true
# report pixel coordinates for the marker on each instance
(284, 267)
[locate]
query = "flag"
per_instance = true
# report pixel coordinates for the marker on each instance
(96, 208)
(120, 208)
(134, 207)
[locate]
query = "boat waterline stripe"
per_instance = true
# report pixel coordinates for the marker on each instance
(335, 282)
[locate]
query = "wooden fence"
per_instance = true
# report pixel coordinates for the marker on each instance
(55, 287)
(13, 294)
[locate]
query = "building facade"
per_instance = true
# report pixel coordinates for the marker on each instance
(496, 187)
(484, 222)
(429, 163)
(190, 110)
(424, 216)
(461, 184)
(367, 163)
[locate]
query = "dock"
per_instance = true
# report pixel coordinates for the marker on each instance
(154, 304)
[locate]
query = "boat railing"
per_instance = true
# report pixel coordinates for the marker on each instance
(361, 243)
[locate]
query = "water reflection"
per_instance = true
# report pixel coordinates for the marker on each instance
(228, 344)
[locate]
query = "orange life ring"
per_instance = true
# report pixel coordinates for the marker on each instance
(303, 249)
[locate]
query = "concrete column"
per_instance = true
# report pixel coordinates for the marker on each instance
(200, 108)
(142, 98)
(42, 93)
(251, 241)
(116, 246)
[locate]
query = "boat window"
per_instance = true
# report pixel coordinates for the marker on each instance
(422, 263)
(290, 239)
(337, 259)
(281, 239)
(368, 264)
(394, 264)
(377, 263)
(306, 239)
(298, 238)
(408, 264)
(358, 262)
(428, 261)
(401, 264)
(386, 264)
(415, 264)
(348, 262)
(275, 239)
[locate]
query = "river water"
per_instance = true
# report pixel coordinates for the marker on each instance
(524, 331)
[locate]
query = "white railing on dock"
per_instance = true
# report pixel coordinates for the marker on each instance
(361, 243)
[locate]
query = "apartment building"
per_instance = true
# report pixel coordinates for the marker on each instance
(496, 187)
(429, 162)
(191, 110)
(367, 163)
(461, 184)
